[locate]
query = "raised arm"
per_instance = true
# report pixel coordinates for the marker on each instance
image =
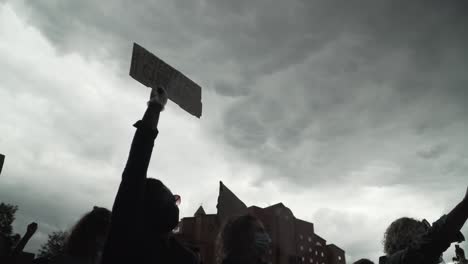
(143, 141)
(456, 219)
(127, 212)
(32, 228)
(443, 232)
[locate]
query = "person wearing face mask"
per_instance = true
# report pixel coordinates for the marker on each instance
(243, 240)
(145, 211)
(87, 238)
(409, 241)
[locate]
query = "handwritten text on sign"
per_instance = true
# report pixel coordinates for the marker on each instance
(154, 72)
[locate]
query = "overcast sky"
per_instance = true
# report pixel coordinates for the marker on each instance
(351, 113)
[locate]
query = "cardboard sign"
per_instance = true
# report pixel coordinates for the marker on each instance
(153, 72)
(2, 159)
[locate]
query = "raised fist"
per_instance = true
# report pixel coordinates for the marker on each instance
(32, 228)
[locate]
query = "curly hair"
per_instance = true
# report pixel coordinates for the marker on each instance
(236, 239)
(82, 241)
(402, 233)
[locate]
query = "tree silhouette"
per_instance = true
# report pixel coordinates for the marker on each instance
(7, 216)
(54, 246)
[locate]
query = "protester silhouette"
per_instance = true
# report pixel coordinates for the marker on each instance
(145, 211)
(87, 238)
(460, 255)
(30, 231)
(243, 240)
(363, 261)
(407, 240)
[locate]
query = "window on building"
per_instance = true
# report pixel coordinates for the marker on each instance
(310, 249)
(339, 257)
(316, 253)
(311, 260)
(270, 252)
(321, 254)
(301, 237)
(303, 259)
(301, 247)
(318, 244)
(310, 239)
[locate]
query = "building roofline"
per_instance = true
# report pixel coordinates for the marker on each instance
(320, 237)
(335, 246)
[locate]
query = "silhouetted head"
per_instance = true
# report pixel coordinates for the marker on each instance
(88, 236)
(363, 261)
(402, 233)
(161, 210)
(243, 240)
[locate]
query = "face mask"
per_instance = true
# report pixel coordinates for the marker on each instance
(165, 219)
(172, 218)
(262, 242)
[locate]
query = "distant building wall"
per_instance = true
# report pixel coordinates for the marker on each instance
(305, 241)
(294, 241)
(335, 255)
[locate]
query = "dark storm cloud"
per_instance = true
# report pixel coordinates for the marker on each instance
(316, 92)
(389, 70)
(327, 89)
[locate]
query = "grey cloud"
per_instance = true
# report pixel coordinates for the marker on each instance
(330, 91)
(356, 232)
(433, 151)
(354, 109)
(225, 88)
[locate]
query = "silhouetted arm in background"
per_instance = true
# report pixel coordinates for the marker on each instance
(32, 228)
(438, 238)
(127, 211)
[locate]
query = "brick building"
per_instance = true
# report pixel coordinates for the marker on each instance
(293, 240)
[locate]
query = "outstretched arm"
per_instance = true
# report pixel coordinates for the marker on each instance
(457, 218)
(127, 212)
(32, 228)
(446, 230)
(438, 239)
(143, 141)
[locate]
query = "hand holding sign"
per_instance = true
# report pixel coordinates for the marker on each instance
(153, 72)
(158, 98)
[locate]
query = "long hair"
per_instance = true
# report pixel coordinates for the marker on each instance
(236, 240)
(82, 241)
(402, 233)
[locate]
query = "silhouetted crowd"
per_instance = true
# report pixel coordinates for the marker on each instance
(145, 212)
